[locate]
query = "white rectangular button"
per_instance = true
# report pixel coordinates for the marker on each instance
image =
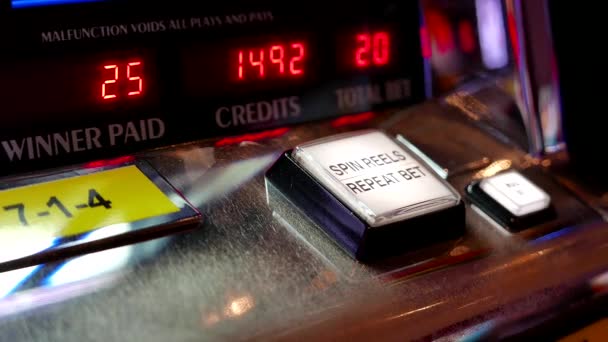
(378, 179)
(515, 193)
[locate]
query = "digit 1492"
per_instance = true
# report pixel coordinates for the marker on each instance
(55, 205)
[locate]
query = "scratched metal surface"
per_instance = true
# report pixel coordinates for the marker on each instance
(255, 272)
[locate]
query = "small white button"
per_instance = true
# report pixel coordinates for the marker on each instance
(515, 193)
(381, 181)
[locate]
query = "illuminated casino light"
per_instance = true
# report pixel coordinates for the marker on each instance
(466, 36)
(109, 162)
(275, 133)
(492, 34)
(512, 27)
(425, 43)
(440, 31)
(355, 119)
(40, 3)
(599, 283)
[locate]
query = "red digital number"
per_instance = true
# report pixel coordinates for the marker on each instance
(298, 57)
(277, 60)
(372, 48)
(104, 87)
(381, 48)
(259, 63)
(131, 78)
(241, 66)
(363, 49)
(277, 55)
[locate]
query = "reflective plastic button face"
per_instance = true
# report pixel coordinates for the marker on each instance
(515, 193)
(375, 177)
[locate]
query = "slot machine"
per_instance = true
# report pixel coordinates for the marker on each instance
(270, 170)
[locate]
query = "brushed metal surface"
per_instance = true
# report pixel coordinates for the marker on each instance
(256, 272)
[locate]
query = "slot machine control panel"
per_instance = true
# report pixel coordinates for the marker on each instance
(282, 171)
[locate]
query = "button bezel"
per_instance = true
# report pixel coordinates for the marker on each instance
(352, 232)
(504, 217)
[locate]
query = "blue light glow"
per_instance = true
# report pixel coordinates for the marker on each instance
(11, 280)
(553, 235)
(39, 3)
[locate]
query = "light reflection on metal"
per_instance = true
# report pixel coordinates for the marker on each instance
(283, 222)
(599, 283)
(531, 161)
(239, 306)
(475, 302)
(468, 167)
(467, 104)
(494, 168)
(236, 307)
(77, 276)
(105, 261)
(526, 97)
(324, 280)
(532, 46)
(24, 241)
(497, 227)
(408, 313)
(223, 179)
(211, 319)
(492, 35)
(519, 261)
(460, 250)
(43, 296)
(550, 117)
(443, 173)
(10, 280)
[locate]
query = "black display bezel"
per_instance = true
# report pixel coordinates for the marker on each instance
(22, 37)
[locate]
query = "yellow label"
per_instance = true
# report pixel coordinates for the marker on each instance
(596, 332)
(81, 204)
